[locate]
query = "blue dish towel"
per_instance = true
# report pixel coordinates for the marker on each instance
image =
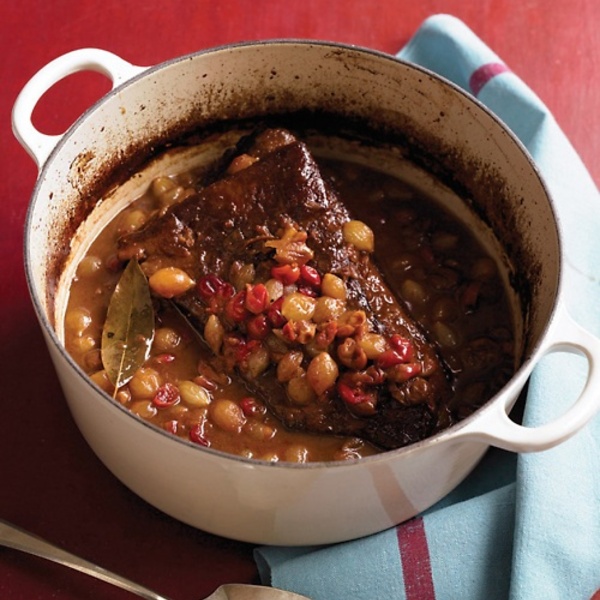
(521, 527)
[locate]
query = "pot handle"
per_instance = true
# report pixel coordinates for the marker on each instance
(494, 427)
(37, 144)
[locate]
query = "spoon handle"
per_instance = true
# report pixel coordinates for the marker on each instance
(14, 537)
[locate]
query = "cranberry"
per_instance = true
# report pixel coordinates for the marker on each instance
(235, 309)
(219, 299)
(257, 298)
(353, 395)
(258, 327)
(243, 349)
(310, 277)
(389, 358)
(274, 315)
(289, 331)
(287, 274)
(209, 285)
(402, 346)
(205, 382)
(251, 407)
(226, 291)
(197, 436)
(166, 395)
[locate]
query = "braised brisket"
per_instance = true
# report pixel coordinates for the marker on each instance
(273, 189)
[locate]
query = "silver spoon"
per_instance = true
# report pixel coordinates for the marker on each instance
(14, 537)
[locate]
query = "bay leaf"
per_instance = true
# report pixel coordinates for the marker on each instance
(128, 331)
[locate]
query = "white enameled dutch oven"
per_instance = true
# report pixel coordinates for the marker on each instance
(473, 156)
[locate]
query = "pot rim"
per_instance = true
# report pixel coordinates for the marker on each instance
(454, 431)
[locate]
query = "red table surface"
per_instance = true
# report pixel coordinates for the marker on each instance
(50, 481)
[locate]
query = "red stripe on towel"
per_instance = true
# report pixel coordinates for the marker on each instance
(416, 564)
(482, 75)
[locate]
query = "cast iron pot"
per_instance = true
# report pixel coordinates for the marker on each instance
(450, 145)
